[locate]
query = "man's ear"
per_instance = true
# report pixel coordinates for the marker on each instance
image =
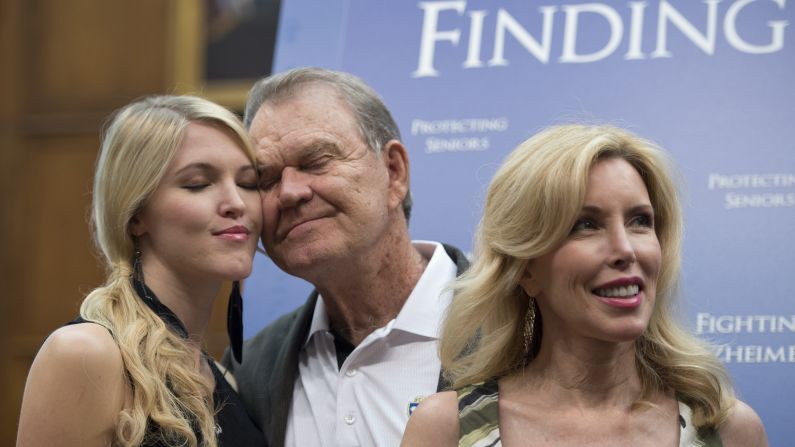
(396, 160)
(528, 283)
(137, 228)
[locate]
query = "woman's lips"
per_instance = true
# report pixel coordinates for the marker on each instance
(622, 302)
(234, 233)
(622, 293)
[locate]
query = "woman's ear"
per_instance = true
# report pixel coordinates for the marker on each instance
(137, 228)
(528, 283)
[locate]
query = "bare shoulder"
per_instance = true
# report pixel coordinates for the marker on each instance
(434, 422)
(83, 337)
(84, 350)
(743, 427)
(75, 389)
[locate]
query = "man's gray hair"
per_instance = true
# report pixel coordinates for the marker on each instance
(374, 120)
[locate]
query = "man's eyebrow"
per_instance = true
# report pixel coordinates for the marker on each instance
(320, 145)
(268, 164)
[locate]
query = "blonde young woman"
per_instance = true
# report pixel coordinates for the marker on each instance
(176, 212)
(562, 332)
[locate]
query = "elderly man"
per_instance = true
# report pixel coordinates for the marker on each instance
(348, 366)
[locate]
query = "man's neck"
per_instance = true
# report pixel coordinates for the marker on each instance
(374, 293)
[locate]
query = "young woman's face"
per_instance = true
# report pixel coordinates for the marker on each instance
(600, 282)
(203, 220)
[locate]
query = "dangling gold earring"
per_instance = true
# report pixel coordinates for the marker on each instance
(529, 325)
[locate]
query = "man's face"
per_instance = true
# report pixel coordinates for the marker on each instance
(325, 193)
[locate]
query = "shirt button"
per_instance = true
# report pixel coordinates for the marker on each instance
(351, 372)
(350, 419)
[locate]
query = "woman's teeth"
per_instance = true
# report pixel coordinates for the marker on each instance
(618, 292)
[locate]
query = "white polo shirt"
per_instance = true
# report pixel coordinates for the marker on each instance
(366, 402)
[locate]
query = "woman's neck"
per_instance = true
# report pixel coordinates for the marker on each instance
(585, 373)
(191, 301)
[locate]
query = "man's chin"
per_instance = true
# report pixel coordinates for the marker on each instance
(300, 263)
(309, 266)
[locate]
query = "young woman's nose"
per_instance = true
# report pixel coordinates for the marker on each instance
(232, 203)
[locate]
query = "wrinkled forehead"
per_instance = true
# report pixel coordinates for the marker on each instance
(296, 126)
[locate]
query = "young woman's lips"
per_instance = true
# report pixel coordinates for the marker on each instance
(234, 233)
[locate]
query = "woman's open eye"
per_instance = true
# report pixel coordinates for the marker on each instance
(583, 224)
(642, 220)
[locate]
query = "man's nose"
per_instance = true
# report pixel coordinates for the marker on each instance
(294, 188)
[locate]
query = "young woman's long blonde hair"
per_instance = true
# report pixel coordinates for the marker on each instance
(167, 388)
(531, 206)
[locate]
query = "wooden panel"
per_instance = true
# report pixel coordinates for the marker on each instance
(50, 253)
(12, 370)
(62, 265)
(94, 54)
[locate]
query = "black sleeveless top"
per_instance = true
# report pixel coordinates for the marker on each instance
(233, 425)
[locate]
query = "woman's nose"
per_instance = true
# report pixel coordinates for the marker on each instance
(622, 252)
(232, 203)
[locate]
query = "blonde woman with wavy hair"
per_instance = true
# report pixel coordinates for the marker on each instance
(563, 331)
(176, 212)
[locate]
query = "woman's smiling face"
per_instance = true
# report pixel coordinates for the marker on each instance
(600, 283)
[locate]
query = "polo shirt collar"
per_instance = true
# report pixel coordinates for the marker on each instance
(320, 321)
(424, 310)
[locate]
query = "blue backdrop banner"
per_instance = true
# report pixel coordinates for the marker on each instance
(711, 81)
